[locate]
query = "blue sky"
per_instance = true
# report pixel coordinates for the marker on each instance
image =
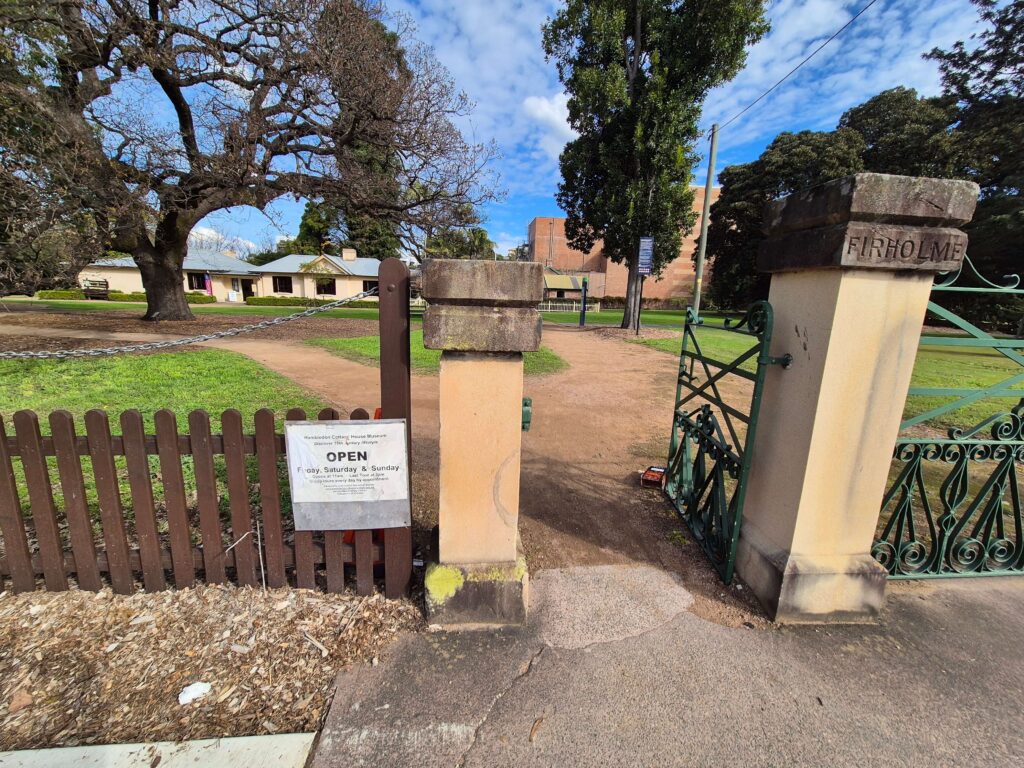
(493, 49)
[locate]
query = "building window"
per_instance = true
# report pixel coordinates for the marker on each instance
(369, 285)
(196, 281)
(326, 286)
(236, 284)
(282, 284)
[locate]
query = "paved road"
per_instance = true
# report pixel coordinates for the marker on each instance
(614, 670)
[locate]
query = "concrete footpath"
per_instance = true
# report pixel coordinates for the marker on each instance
(614, 670)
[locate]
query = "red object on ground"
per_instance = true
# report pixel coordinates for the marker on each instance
(652, 477)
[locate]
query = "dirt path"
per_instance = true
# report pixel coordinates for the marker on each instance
(595, 426)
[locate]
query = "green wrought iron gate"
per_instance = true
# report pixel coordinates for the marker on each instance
(954, 506)
(714, 424)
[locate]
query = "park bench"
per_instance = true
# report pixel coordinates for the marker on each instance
(96, 289)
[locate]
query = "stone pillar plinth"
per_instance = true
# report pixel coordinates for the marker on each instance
(853, 262)
(483, 316)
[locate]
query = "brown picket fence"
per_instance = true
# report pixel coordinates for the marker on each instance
(177, 542)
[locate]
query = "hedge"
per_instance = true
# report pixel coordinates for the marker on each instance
(138, 296)
(298, 301)
(60, 294)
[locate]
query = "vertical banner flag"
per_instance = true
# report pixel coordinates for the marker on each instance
(646, 255)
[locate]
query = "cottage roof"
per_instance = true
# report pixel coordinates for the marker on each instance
(197, 260)
(358, 267)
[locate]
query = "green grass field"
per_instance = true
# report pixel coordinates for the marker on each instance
(357, 313)
(366, 350)
(652, 317)
(935, 367)
(211, 379)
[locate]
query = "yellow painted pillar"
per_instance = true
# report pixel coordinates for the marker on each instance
(483, 316)
(852, 264)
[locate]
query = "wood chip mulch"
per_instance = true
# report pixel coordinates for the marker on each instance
(96, 668)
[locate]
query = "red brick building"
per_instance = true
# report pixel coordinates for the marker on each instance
(546, 236)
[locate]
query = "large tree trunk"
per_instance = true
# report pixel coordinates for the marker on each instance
(630, 313)
(163, 280)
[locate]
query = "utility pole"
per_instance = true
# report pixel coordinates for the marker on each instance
(702, 245)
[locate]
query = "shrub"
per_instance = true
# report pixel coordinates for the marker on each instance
(299, 301)
(122, 296)
(282, 301)
(63, 294)
(196, 297)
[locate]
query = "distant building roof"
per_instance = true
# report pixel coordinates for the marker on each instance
(197, 261)
(358, 267)
(554, 282)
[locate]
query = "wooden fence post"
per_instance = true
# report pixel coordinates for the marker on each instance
(396, 403)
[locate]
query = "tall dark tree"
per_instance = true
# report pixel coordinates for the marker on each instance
(637, 73)
(371, 237)
(793, 161)
(986, 80)
(266, 98)
(904, 133)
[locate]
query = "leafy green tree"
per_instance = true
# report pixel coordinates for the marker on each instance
(637, 73)
(904, 133)
(987, 83)
(318, 222)
(793, 161)
(461, 243)
(373, 238)
(176, 109)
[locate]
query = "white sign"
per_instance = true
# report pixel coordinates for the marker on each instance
(348, 475)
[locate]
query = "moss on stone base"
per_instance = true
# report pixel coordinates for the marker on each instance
(441, 582)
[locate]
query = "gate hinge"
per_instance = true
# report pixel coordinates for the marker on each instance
(786, 361)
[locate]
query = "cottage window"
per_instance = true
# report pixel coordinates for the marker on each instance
(327, 286)
(196, 281)
(282, 284)
(236, 284)
(369, 285)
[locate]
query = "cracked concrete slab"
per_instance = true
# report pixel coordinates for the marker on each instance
(931, 683)
(424, 703)
(577, 607)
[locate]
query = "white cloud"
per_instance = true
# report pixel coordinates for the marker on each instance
(551, 115)
(493, 51)
(215, 240)
(883, 49)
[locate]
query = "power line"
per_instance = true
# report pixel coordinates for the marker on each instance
(791, 72)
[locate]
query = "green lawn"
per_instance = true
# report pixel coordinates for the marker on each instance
(357, 313)
(366, 350)
(182, 381)
(935, 367)
(653, 317)
(212, 380)
(661, 318)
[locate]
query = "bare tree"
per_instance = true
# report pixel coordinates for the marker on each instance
(187, 107)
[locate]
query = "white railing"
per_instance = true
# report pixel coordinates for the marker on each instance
(568, 305)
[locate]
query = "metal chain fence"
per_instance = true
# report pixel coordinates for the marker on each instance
(151, 345)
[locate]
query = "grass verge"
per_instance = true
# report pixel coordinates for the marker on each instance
(212, 379)
(948, 367)
(366, 350)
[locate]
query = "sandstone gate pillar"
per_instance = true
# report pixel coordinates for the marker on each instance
(852, 265)
(483, 315)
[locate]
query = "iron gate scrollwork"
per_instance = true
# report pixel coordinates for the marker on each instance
(712, 434)
(954, 507)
